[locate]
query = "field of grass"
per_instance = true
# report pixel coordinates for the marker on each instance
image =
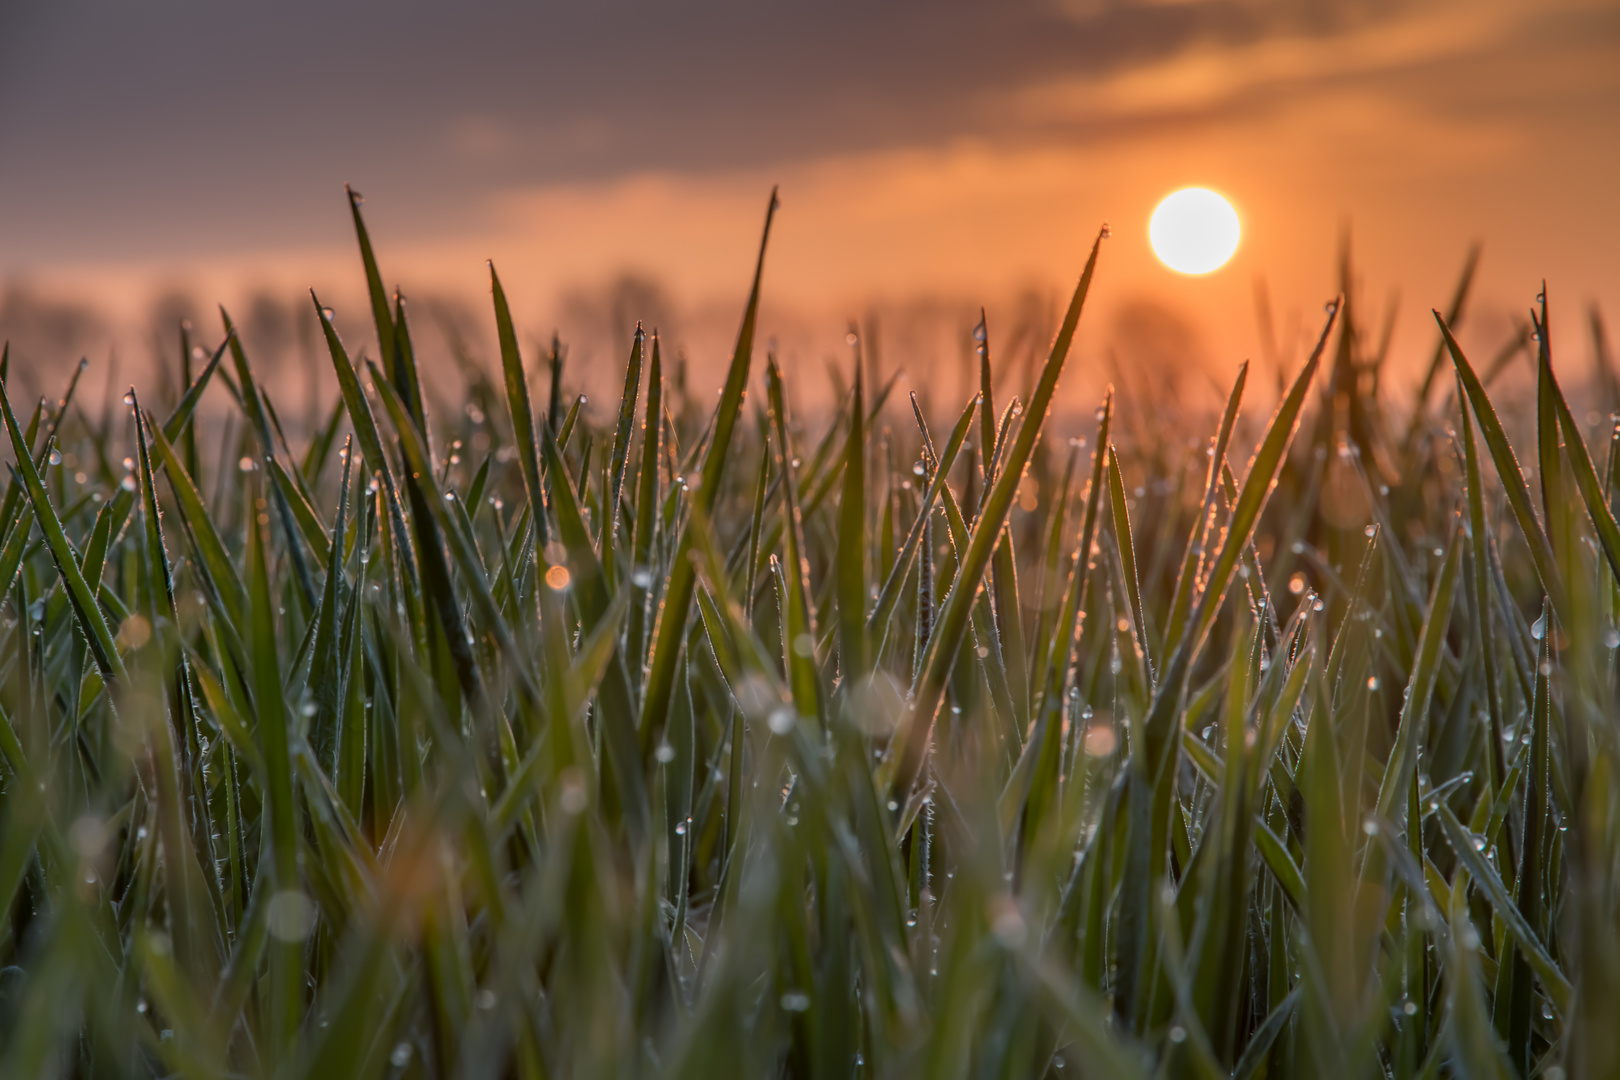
(709, 744)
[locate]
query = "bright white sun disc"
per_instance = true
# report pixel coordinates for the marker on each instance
(1194, 231)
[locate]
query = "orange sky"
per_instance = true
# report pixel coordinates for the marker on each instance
(1424, 126)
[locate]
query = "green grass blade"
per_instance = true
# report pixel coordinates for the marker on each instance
(365, 431)
(850, 559)
(1586, 478)
(517, 399)
(682, 581)
(1410, 732)
(1512, 479)
(216, 563)
(627, 418)
(889, 598)
(798, 628)
(309, 522)
(85, 609)
(1483, 605)
(179, 420)
(902, 766)
(271, 723)
(1558, 988)
(1264, 1037)
(1127, 552)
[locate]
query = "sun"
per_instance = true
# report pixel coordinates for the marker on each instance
(1194, 231)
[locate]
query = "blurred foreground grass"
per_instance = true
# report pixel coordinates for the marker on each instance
(704, 744)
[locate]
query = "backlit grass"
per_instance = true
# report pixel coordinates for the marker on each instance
(708, 743)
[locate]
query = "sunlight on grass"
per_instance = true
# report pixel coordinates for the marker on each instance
(707, 741)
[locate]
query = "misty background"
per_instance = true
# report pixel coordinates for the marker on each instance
(614, 159)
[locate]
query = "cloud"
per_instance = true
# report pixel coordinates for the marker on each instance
(1213, 75)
